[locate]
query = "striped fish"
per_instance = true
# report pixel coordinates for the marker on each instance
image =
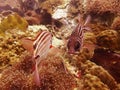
(39, 49)
(75, 41)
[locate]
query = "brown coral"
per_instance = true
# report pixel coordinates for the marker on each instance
(12, 79)
(32, 17)
(98, 6)
(108, 39)
(116, 23)
(92, 75)
(52, 75)
(95, 6)
(26, 63)
(104, 11)
(109, 60)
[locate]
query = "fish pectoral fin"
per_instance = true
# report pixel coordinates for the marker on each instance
(87, 21)
(27, 44)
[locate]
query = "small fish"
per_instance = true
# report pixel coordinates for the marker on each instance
(39, 49)
(75, 41)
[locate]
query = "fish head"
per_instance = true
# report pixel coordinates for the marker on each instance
(73, 46)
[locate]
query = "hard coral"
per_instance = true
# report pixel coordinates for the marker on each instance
(12, 79)
(38, 16)
(116, 23)
(108, 39)
(26, 63)
(93, 83)
(32, 17)
(29, 5)
(95, 6)
(98, 6)
(108, 60)
(92, 75)
(54, 76)
(10, 50)
(50, 5)
(104, 10)
(13, 21)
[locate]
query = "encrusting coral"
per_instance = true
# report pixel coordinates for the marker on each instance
(109, 60)
(98, 6)
(12, 79)
(10, 47)
(92, 76)
(52, 75)
(108, 39)
(94, 6)
(103, 11)
(50, 5)
(13, 21)
(116, 23)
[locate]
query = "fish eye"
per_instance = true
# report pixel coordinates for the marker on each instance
(77, 46)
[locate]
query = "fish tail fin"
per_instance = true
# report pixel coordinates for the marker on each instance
(36, 76)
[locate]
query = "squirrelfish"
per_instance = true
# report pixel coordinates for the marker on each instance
(39, 48)
(75, 41)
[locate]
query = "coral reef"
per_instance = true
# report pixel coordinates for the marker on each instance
(90, 72)
(102, 11)
(90, 83)
(10, 51)
(32, 17)
(26, 63)
(50, 5)
(10, 47)
(13, 21)
(111, 6)
(108, 39)
(116, 23)
(18, 6)
(13, 79)
(94, 67)
(94, 6)
(52, 74)
(29, 5)
(109, 60)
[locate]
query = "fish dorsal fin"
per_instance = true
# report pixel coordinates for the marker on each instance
(87, 21)
(27, 44)
(80, 19)
(39, 32)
